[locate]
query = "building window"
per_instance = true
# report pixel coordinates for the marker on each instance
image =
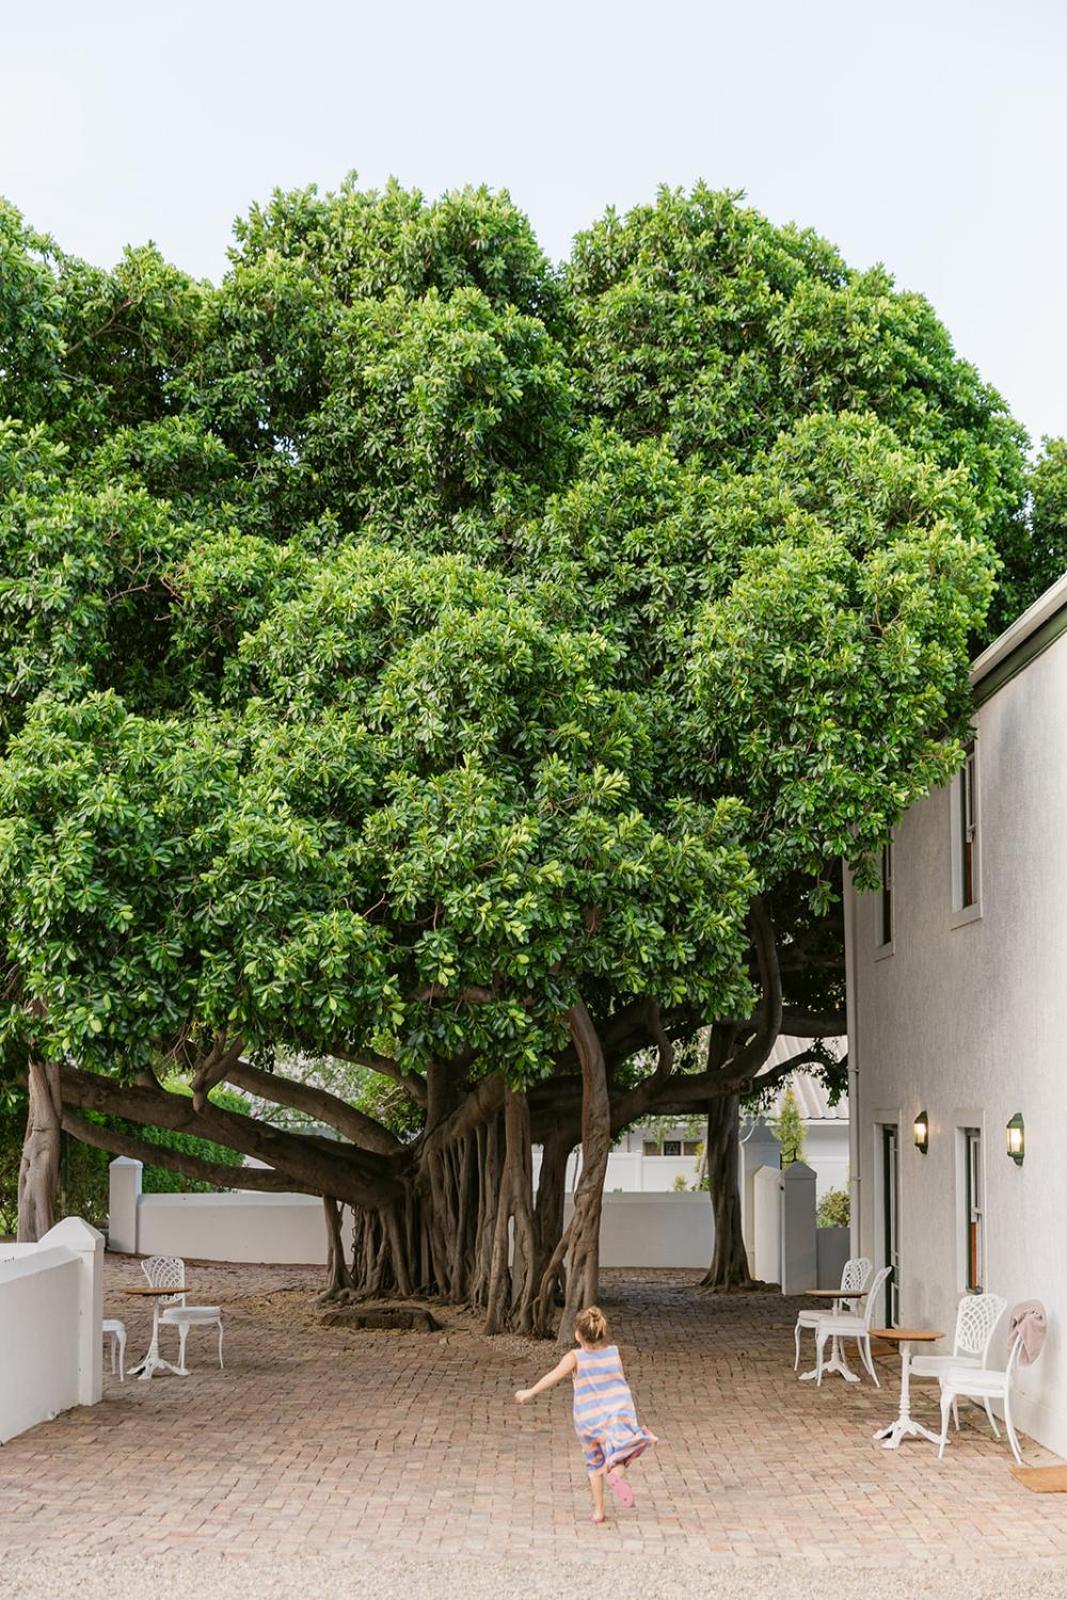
(691, 1147)
(973, 1215)
(968, 830)
(650, 1147)
(672, 1147)
(885, 914)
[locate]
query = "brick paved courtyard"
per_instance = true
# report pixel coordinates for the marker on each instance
(325, 1442)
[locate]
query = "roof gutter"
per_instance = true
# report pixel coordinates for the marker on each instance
(1027, 638)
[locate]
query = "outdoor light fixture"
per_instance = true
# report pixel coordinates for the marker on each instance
(922, 1132)
(1016, 1133)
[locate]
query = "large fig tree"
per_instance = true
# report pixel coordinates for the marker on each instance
(418, 657)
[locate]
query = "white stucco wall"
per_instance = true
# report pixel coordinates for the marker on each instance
(637, 1230)
(969, 1022)
(51, 1307)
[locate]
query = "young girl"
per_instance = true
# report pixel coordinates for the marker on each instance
(604, 1416)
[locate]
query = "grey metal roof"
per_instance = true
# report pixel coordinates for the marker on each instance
(811, 1097)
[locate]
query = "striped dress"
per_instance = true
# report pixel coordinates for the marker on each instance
(604, 1416)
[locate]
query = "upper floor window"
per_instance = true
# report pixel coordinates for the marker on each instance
(968, 830)
(966, 840)
(885, 909)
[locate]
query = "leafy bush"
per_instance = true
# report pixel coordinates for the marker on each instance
(833, 1209)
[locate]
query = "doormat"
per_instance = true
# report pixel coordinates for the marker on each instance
(1042, 1480)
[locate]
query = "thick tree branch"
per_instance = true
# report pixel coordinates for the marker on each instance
(187, 1166)
(483, 1102)
(214, 1068)
(362, 1130)
(358, 1176)
(387, 1068)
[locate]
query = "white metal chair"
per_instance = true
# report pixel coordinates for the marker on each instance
(115, 1330)
(164, 1271)
(977, 1319)
(848, 1325)
(854, 1277)
(978, 1383)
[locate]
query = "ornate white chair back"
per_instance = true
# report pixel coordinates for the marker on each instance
(166, 1272)
(856, 1272)
(976, 1323)
(872, 1294)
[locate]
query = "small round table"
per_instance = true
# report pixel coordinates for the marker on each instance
(905, 1427)
(153, 1361)
(837, 1362)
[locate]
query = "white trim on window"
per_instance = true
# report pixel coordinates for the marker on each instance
(885, 925)
(966, 853)
(971, 1203)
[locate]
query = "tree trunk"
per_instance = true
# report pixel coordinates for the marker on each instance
(729, 1266)
(39, 1168)
(580, 1244)
(338, 1277)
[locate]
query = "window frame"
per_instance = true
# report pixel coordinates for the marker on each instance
(885, 918)
(972, 1208)
(966, 821)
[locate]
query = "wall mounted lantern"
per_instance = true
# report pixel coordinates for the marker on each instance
(1016, 1138)
(922, 1132)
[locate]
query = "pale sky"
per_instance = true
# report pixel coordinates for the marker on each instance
(931, 136)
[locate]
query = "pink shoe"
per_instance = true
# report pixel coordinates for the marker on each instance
(621, 1490)
(598, 1522)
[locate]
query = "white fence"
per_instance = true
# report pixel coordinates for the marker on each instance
(51, 1307)
(665, 1229)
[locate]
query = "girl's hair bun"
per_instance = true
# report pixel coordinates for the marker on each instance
(592, 1325)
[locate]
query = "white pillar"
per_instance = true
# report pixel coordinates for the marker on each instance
(759, 1148)
(800, 1268)
(124, 1196)
(767, 1224)
(88, 1245)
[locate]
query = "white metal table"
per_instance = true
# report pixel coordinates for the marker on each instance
(837, 1362)
(153, 1362)
(905, 1427)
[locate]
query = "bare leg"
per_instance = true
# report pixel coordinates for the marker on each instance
(596, 1489)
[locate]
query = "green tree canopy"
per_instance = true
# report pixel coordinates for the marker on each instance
(410, 651)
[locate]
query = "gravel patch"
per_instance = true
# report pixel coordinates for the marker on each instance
(487, 1578)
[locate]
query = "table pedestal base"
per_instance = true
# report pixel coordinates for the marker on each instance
(836, 1363)
(904, 1428)
(153, 1362)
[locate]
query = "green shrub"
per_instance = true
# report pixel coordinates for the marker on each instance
(833, 1209)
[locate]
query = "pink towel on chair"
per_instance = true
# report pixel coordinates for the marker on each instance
(1028, 1325)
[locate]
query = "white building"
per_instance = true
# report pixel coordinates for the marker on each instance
(662, 1154)
(656, 1155)
(957, 978)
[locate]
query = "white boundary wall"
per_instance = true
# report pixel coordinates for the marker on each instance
(666, 1230)
(638, 1230)
(51, 1308)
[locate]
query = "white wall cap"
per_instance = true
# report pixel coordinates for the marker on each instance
(75, 1233)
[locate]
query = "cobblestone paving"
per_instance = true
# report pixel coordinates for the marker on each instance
(319, 1443)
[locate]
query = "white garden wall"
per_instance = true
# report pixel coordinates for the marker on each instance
(51, 1306)
(666, 1230)
(653, 1230)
